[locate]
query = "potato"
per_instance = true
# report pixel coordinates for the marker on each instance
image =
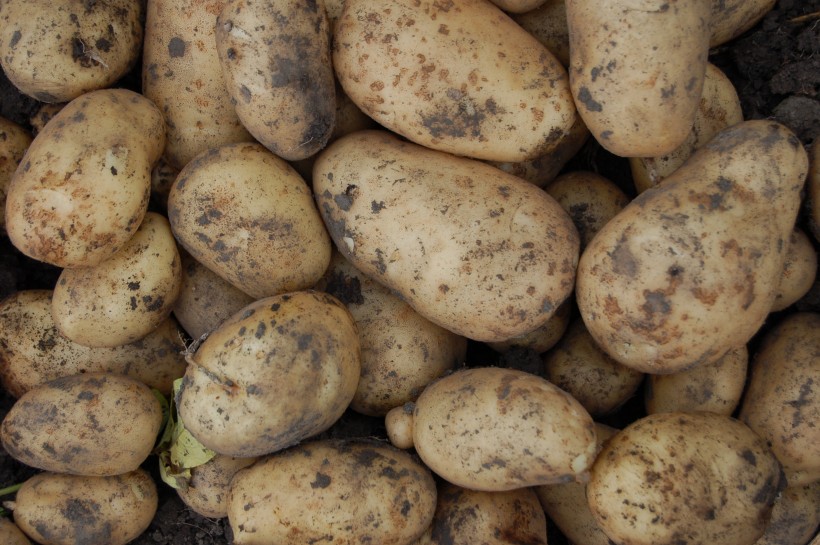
(477, 251)
(813, 189)
(715, 387)
(125, 297)
(11, 534)
(249, 217)
(206, 492)
(342, 492)
(578, 366)
(55, 51)
(795, 516)
(281, 370)
(688, 271)
(401, 351)
(33, 352)
(731, 18)
(14, 141)
(518, 6)
(182, 75)
(56, 509)
(275, 56)
(97, 424)
(162, 179)
(719, 107)
(543, 338)
(799, 271)
(498, 429)
(548, 23)
(693, 478)
(82, 189)
(781, 401)
(462, 78)
(637, 69)
(43, 115)
(205, 299)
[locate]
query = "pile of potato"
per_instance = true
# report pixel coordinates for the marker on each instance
(347, 193)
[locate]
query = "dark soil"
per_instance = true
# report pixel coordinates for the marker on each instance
(775, 68)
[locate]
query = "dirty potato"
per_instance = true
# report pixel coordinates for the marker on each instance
(11, 534)
(206, 492)
(799, 271)
(548, 23)
(731, 18)
(813, 189)
(14, 141)
(543, 338)
(795, 516)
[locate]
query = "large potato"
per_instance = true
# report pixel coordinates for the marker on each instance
(281, 370)
(248, 216)
(82, 189)
(14, 141)
(342, 492)
(457, 77)
(688, 271)
(97, 424)
(56, 50)
(33, 352)
(55, 509)
(482, 253)
(695, 478)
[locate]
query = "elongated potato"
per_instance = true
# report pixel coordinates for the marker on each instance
(14, 141)
(477, 251)
(687, 271)
(459, 77)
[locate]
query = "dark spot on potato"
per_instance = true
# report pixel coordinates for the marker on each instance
(768, 492)
(656, 302)
(246, 93)
(153, 305)
(103, 45)
(347, 289)
(585, 98)
(366, 457)
(260, 330)
(304, 341)
(15, 37)
(376, 207)
(113, 171)
(623, 262)
(495, 462)
(133, 286)
(86, 395)
(379, 263)
(345, 200)
(605, 135)
(321, 481)
(749, 456)
(668, 92)
(253, 389)
(443, 288)
(133, 303)
(176, 47)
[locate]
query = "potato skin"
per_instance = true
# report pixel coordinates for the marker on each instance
(795, 516)
(97, 424)
(813, 190)
(14, 141)
(206, 492)
(731, 18)
(11, 534)
(477, 251)
(799, 271)
(344, 492)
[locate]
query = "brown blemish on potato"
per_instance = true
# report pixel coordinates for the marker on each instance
(585, 98)
(176, 47)
(623, 261)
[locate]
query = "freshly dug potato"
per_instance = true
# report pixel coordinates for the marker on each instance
(578, 366)
(402, 351)
(33, 352)
(799, 271)
(518, 6)
(83, 187)
(695, 478)
(11, 534)
(719, 107)
(249, 217)
(206, 492)
(782, 403)
(543, 338)
(125, 297)
(205, 299)
(637, 69)
(731, 18)
(461, 78)
(795, 516)
(97, 424)
(182, 75)
(548, 23)
(813, 186)
(496, 429)
(688, 271)
(715, 387)
(275, 57)
(14, 141)
(477, 251)
(162, 179)
(341, 492)
(55, 509)
(56, 50)
(43, 115)
(281, 370)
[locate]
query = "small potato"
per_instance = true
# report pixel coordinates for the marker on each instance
(83, 187)
(498, 429)
(43, 115)
(96, 424)
(33, 352)
(162, 179)
(342, 492)
(799, 271)
(249, 217)
(206, 492)
(548, 23)
(795, 516)
(715, 387)
(281, 370)
(125, 297)
(56, 509)
(782, 403)
(542, 339)
(698, 478)
(813, 189)
(731, 18)
(11, 534)
(518, 6)
(56, 50)
(14, 141)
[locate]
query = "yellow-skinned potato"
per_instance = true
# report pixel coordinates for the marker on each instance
(56, 50)
(162, 179)
(125, 297)
(795, 516)
(275, 56)
(670, 478)
(11, 534)
(481, 253)
(548, 23)
(456, 77)
(719, 107)
(14, 141)
(97, 424)
(543, 338)
(813, 187)
(731, 18)
(781, 402)
(799, 271)
(715, 387)
(281, 370)
(182, 75)
(55, 509)
(518, 6)
(249, 217)
(496, 429)
(77, 206)
(637, 69)
(206, 492)
(687, 271)
(33, 352)
(354, 491)
(43, 115)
